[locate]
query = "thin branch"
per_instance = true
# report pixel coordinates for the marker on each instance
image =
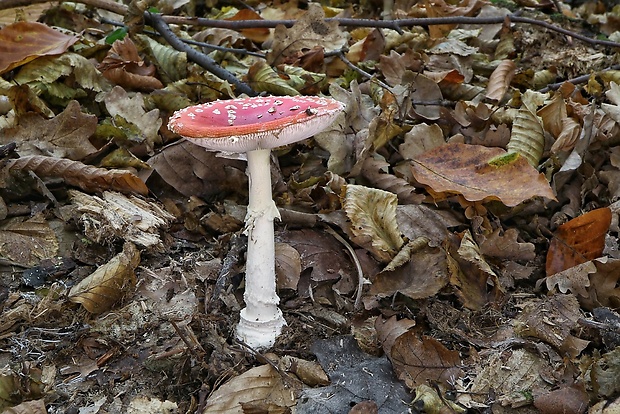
(387, 24)
(575, 81)
(362, 72)
(198, 57)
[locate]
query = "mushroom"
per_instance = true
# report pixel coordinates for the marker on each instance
(253, 126)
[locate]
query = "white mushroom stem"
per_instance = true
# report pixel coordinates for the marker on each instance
(261, 320)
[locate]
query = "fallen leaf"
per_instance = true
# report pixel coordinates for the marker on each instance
(320, 252)
(372, 213)
(109, 284)
(26, 242)
(64, 136)
(119, 103)
(473, 278)
(22, 42)
(416, 358)
(567, 399)
(86, 177)
(500, 79)
(578, 240)
(308, 31)
(262, 384)
(480, 174)
(123, 66)
(288, 266)
(594, 283)
(551, 320)
(193, 171)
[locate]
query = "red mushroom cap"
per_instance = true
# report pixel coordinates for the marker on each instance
(245, 124)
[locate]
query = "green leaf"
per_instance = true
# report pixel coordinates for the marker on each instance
(118, 34)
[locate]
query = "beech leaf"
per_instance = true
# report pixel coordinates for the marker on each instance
(110, 283)
(22, 42)
(86, 177)
(479, 173)
(578, 240)
(373, 220)
(500, 79)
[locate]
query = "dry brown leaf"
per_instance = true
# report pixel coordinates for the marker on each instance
(288, 266)
(567, 399)
(553, 115)
(480, 174)
(500, 79)
(595, 283)
(475, 282)
(376, 170)
(256, 34)
(372, 213)
(425, 90)
(64, 136)
(566, 140)
(132, 109)
(262, 384)
(192, 171)
(26, 242)
(423, 276)
(110, 283)
(507, 246)
(417, 359)
(320, 252)
(22, 42)
(394, 65)
(309, 372)
(28, 407)
(86, 177)
(552, 319)
(578, 240)
(309, 31)
(420, 139)
(123, 66)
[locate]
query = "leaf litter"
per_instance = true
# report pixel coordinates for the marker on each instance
(448, 244)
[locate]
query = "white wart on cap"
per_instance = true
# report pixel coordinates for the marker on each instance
(246, 124)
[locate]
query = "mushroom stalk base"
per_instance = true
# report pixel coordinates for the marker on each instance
(261, 320)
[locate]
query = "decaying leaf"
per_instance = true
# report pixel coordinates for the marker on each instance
(262, 78)
(262, 384)
(119, 103)
(480, 174)
(500, 79)
(86, 177)
(475, 281)
(320, 252)
(124, 66)
(22, 42)
(594, 283)
(372, 213)
(309, 31)
(422, 276)
(195, 172)
(376, 170)
(110, 283)
(64, 136)
(115, 216)
(26, 242)
(578, 241)
(417, 359)
(552, 319)
(288, 266)
(432, 403)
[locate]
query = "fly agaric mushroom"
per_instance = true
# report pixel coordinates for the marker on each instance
(253, 126)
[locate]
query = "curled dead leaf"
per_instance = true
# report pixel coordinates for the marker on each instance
(109, 284)
(373, 220)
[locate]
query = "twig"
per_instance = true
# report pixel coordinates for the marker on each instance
(575, 81)
(198, 57)
(387, 24)
(358, 265)
(362, 72)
